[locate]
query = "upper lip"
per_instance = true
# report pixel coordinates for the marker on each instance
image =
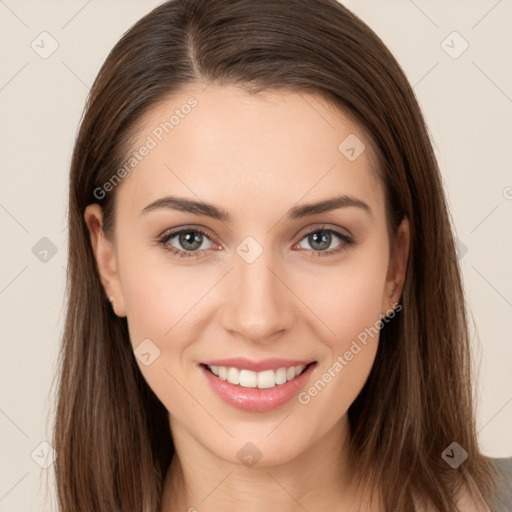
(257, 366)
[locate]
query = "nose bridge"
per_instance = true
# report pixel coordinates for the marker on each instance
(259, 304)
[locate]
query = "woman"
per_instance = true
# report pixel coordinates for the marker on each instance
(265, 308)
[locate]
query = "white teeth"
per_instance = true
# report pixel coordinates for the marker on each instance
(266, 379)
(262, 380)
(290, 373)
(248, 379)
(281, 376)
(233, 376)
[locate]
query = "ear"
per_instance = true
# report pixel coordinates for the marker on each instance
(397, 267)
(105, 255)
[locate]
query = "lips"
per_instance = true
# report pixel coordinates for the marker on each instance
(257, 385)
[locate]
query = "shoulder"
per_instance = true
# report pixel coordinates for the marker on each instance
(502, 500)
(469, 498)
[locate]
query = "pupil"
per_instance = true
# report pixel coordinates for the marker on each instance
(323, 240)
(193, 238)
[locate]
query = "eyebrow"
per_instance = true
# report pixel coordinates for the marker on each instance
(297, 212)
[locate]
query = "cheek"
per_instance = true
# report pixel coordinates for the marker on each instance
(352, 312)
(348, 298)
(160, 311)
(159, 294)
(349, 302)
(149, 312)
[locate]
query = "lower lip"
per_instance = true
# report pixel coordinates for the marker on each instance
(255, 399)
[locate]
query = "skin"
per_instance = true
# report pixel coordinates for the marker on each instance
(256, 157)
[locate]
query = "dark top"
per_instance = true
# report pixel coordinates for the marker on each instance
(502, 500)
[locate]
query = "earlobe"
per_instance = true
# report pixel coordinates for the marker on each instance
(105, 256)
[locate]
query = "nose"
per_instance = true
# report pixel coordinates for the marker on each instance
(259, 307)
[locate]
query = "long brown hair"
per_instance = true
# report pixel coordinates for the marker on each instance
(111, 432)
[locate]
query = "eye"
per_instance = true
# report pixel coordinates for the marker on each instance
(322, 239)
(189, 241)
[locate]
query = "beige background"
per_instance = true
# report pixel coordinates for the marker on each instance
(467, 102)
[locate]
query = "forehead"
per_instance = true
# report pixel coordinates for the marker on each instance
(249, 150)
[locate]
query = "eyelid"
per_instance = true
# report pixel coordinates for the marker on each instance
(302, 232)
(345, 240)
(186, 227)
(164, 238)
(323, 226)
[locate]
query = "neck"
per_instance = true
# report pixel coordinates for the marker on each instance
(317, 479)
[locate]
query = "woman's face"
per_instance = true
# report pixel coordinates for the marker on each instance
(265, 281)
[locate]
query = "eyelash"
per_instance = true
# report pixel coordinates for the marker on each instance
(178, 253)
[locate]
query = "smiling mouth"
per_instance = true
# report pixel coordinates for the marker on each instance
(262, 380)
